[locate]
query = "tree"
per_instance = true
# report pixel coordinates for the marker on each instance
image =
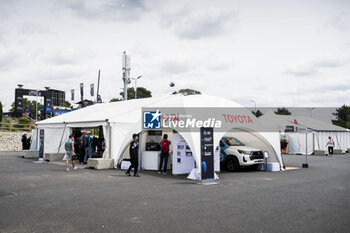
(1, 112)
(67, 104)
(342, 116)
(141, 93)
(258, 113)
(187, 91)
(115, 100)
(28, 105)
(283, 111)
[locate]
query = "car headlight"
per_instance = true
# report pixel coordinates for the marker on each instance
(244, 152)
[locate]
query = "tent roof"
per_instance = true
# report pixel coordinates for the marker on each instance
(130, 111)
(281, 121)
(314, 124)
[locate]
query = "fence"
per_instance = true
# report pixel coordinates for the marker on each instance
(16, 127)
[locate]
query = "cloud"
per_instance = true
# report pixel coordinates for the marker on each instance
(175, 67)
(8, 60)
(312, 66)
(30, 28)
(199, 23)
(341, 22)
(219, 66)
(123, 10)
(69, 56)
(60, 74)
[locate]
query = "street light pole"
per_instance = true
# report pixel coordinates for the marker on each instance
(135, 79)
(36, 105)
(254, 105)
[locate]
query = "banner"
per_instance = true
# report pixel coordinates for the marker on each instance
(207, 153)
(72, 94)
(183, 161)
(48, 107)
(92, 89)
(82, 90)
(41, 143)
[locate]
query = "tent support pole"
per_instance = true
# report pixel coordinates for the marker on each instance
(305, 165)
(110, 140)
(64, 130)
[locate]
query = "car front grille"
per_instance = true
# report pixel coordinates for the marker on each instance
(257, 155)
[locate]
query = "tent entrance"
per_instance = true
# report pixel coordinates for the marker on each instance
(97, 141)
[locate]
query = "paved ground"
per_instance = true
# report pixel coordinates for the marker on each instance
(48, 199)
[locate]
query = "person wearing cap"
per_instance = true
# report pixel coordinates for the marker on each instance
(134, 155)
(88, 147)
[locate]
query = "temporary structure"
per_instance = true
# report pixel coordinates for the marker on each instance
(119, 120)
(297, 127)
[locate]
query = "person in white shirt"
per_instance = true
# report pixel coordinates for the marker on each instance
(330, 145)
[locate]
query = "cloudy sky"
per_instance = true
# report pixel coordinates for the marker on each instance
(278, 53)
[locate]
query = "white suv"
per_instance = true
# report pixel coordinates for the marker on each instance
(234, 154)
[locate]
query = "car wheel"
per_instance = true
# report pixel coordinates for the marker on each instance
(232, 164)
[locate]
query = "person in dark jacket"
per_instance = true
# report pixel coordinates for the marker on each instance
(134, 155)
(81, 148)
(24, 141)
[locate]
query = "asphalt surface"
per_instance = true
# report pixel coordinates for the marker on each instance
(45, 198)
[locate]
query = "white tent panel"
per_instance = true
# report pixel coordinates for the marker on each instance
(297, 143)
(53, 137)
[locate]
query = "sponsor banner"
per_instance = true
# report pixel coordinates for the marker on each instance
(41, 143)
(193, 119)
(207, 153)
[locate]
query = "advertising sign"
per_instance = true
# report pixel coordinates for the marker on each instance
(48, 106)
(183, 161)
(41, 143)
(207, 153)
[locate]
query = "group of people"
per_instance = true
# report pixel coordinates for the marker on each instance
(26, 142)
(134, 158)
(82, 148)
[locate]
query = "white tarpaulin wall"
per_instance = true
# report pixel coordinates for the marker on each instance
(320, 130)
(298, 142)
(53, 137)
(341, 140)
(121, 119)
(34, 144)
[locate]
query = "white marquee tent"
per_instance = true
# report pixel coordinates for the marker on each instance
(317, 132)
(119, 120)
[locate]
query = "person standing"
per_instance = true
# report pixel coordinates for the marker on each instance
(88, 147)
(24, 141)
(69, 147)
(29, 142)
(134, 155)
(330, 144)
(81, 148)
(103, 146)
(164, 154)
